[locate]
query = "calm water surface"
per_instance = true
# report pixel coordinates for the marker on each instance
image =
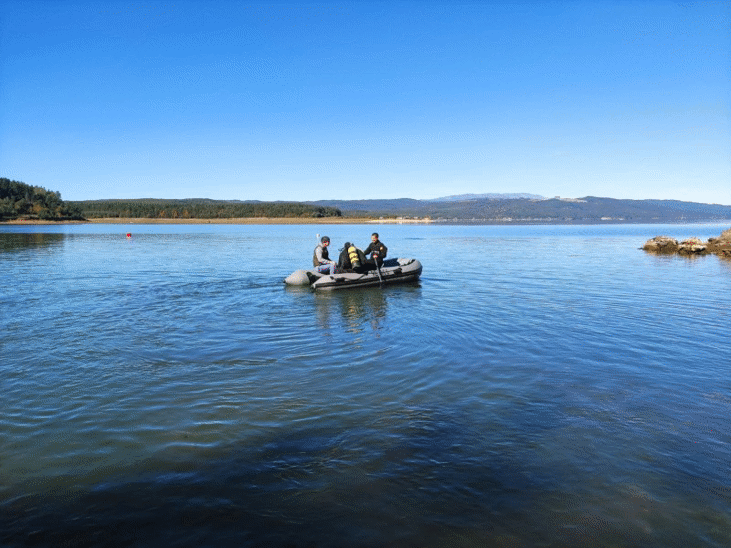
(540, 386)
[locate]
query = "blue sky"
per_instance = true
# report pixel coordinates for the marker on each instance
(362, 100)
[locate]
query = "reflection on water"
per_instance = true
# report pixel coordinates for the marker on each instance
(355, 310)
(17, 241)
(725, 262)
(358, 310)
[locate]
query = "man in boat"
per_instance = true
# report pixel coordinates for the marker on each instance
(321, 258)
(377, 250)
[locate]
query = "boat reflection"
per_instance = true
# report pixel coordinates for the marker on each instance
(359, 309)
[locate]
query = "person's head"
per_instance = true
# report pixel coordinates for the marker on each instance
(374, 237)
(346, 245)
(325, 241)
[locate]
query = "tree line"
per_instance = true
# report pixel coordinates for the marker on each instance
(21, 201)
(200, 208)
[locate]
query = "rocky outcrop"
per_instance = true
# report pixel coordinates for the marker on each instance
(691, 246)
(722, 244)
(661, 244)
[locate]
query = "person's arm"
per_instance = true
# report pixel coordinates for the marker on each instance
(322, 259)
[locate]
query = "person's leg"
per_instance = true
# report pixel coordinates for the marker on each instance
(326, 268)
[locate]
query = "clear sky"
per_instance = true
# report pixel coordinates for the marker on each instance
(363, 100)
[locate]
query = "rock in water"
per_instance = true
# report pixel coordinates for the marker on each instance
(661, 244)
(691, 245)
(721, 246)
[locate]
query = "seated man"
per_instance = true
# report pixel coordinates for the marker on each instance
(377, 250)
(321, 258)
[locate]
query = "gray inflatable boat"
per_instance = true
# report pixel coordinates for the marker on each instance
(393, 271)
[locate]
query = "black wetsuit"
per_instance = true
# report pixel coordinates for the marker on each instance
(380, 248)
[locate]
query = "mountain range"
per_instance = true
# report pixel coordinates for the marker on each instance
(514, 208)
(489, 196)
(466, 208)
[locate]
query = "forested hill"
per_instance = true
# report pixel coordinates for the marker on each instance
(201, 208)
(21, 201)
(556, 210)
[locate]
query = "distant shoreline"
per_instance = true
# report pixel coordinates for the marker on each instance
(358, 221)
(235, 221)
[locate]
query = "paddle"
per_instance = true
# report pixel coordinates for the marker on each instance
(378, 268)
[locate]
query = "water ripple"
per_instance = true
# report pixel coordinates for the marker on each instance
(544, 383)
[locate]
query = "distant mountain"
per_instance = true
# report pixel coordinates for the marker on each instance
(465, 197)
(403, 206)
(589, 209)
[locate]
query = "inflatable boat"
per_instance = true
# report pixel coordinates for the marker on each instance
(393, 271)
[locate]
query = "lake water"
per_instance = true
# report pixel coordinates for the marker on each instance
(540, 386)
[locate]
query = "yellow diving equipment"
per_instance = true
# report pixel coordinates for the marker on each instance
(353, 256)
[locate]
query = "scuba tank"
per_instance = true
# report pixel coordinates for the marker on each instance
(353, 256)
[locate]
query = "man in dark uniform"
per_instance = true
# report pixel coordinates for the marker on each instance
(376, 249)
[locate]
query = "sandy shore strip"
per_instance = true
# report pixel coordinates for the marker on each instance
(236, 221)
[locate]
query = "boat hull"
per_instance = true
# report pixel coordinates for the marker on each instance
(394, 271)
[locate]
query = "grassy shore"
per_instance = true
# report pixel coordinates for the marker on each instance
(238, 221)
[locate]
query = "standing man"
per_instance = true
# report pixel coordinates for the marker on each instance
(321, 259)
(376, 249)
